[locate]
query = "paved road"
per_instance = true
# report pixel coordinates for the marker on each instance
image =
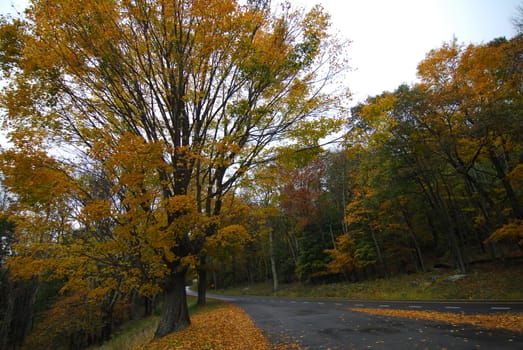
(329, 324)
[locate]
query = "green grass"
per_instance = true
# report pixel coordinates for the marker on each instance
(133, 334)
(485, 282)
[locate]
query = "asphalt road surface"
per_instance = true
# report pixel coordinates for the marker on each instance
(329, 324)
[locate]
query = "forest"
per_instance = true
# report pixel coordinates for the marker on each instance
(153, 143)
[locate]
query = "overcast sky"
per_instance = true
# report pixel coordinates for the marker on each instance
(390, 37)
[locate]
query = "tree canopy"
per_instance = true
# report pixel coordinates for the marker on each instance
(131, 120)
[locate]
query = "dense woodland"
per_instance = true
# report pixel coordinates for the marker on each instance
(152, 143)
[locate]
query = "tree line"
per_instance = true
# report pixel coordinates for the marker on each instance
(427, 175)
(155, 142)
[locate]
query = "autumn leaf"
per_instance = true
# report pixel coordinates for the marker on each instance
(507, 321)
(225, 328)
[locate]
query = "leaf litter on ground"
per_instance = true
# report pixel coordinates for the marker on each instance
(506, 321)
(226, 327)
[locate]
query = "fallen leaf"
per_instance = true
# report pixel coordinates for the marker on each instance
(508, 321)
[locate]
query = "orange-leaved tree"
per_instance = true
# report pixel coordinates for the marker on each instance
(157, 108)
(474, 116)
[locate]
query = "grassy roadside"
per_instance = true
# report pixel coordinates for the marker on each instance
(217, 326)
(133, 335)
(137, 334)
(486, 282)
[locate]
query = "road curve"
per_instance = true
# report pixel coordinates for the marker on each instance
(329, 324)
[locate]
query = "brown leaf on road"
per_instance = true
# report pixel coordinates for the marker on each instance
(506, 321)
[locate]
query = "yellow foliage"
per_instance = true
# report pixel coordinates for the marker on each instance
(72, 318)
(512, 232)
(95, 211)
(149, 289)
(229, 237)
(516, 176)
(342, 256)
(179, 204)
(189, 260)
(39, 180)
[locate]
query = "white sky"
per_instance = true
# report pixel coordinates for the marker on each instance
(390, 37)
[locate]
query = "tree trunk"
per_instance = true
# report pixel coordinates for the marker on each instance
(215, 280)
(509, 190)
(378, 249)
(202, 282)
(148, 306)
(175, 313)
(419, 254)
(17, 320)
(458, 255)
(107, 328)
(273, 262)
(107, 315)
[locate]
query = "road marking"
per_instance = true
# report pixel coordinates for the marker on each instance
(306, 302)
(384, 305)
(359, 305)
(415, 306)
(500, 308)
(452, 307)
(339, 304)
(321, 303)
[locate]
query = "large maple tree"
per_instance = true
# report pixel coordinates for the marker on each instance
(136, 117)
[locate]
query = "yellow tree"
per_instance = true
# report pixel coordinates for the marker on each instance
(197, 90)
(45, 217)
(473, 115)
